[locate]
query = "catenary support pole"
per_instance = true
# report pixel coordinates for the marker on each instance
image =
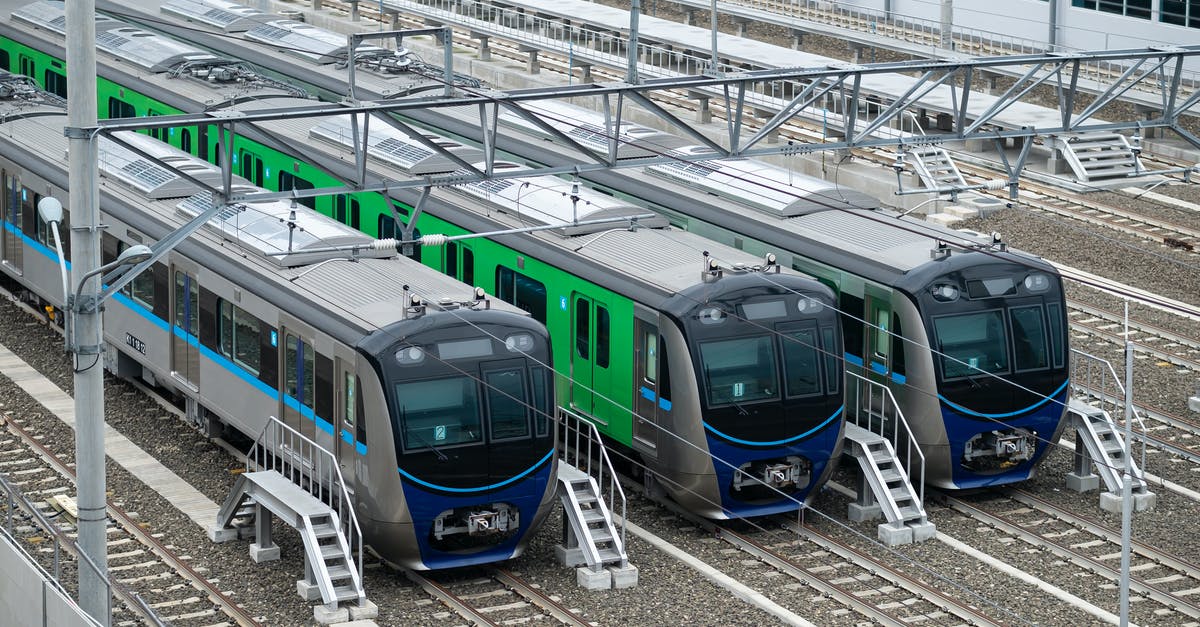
(1127, 479)
(86, 340)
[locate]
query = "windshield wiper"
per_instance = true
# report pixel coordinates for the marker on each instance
(436, 451)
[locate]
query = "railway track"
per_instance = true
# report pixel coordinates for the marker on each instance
(1168, 583)
(1148, 339)
(821, 567)
(493, 596)
(153, 584)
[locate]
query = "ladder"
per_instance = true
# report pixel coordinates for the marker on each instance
(935, 167)
(593, 542)
(875, 428)
(1098, 156)
(1099, 446)
(884, 484)
(295, 479)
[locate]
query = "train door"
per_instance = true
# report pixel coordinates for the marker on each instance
(11, 242)
(590, 357)
(185, 330)
(645, 380)
(299, 379)
(349, 431)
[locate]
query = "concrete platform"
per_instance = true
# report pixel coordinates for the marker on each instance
(589, 579)
(1111, 501)
(1083, 483)
(891, 535)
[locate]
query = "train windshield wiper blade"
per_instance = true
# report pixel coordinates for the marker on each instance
(436, 451)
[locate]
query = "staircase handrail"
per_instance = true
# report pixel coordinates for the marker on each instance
(287, 443)
(574, 454)
(887, 400)
(1106, 373)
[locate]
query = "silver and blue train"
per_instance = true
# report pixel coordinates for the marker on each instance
(436, 400)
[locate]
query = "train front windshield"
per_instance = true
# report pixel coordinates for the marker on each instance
(1000, 338)
(768, 368)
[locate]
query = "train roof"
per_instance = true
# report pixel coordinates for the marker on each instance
(758, 184)
(395, 147)
(352, 295)
(21, 96)
(310, 42)
(227, 16)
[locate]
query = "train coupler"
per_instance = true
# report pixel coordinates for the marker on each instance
(790, 472)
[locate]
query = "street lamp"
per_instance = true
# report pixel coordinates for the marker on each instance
(83, 311)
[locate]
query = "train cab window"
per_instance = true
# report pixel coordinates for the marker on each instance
(1029, 338)
(650, 357)
(898, 346)
(801, 362)
(664, 371)
(239, 333)
(506, 403)
(1054, 312)
(883, 338)
(251, 167)
(118, 108)
(55, 83)
(971, 344)
(526, 293)
(28, 67)
(439, 412)
(541, 401)
(833, 359)
(739, 370)
(349, 402)
(298, 369)
(289, 182)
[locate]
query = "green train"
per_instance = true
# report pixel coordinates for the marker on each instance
(718, 370)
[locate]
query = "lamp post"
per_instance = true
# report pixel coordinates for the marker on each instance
(84, 341)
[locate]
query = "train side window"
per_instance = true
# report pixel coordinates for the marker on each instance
(582, 323)
(240, 333)
(468, 266)
(386, 226)
(602, 336)
(118, 108)
(289, 182)
(187, 303)
(349, 399)
(185, 140)
(55, 83)
(883, 339)
(298, 363)
(650, 356)
(29, 216)
(361, 432)
(450, 263)
(161, 300)
(4, 60)
(141, 289)
(157, 133)
(526, 293)
(355, 214)
(898, 346)
(1054, 312)
(852, 323)
(252, 167)
(268, 347)
(664, 371)
(28, 67)
(324, 391)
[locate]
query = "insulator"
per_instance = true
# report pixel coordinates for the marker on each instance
(435, 239)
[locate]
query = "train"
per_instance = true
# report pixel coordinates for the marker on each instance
(724, 430)
(436, 400)
(970, 335)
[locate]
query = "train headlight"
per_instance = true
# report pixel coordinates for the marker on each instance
(410, 356)
(945, 293)
(1037, 282)
(519, 343)
(808, 305)
(711, 315)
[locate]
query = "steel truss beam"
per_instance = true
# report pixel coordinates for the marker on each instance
(746, 95)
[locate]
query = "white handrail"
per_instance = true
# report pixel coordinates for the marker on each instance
(1093, 376)
(889, 408)
(585, 439)
(282, 449)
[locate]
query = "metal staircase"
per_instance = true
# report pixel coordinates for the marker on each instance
(592, 540)
(1098, 440)
(295, 479)
(875, 430)
(1098, 156)
(935, 167)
